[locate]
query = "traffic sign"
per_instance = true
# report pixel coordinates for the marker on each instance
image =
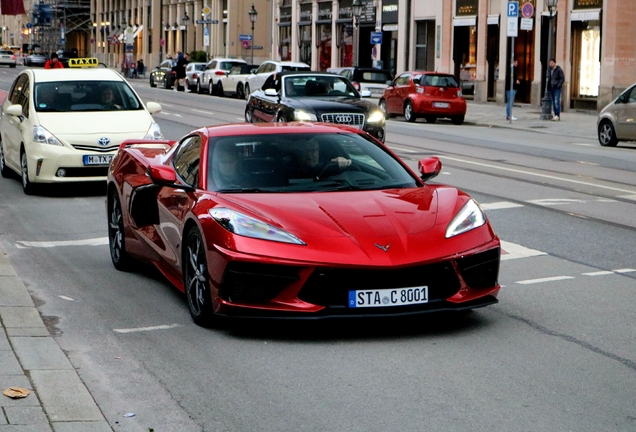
(206, 10)
(245, 37)
(246, 44)
(376, 38)
(527, 10)
(206, 21)
(513, 9)
(29, 25)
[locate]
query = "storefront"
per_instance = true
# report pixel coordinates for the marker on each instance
(344, 33)
(390, 29)
(465, 44)
(323, 34)
(284, 31)
(304, 33)
(585, 27)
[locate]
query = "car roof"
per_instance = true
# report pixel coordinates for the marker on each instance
(310, 73)
(74, 74)
(225, 59)
(420, 72)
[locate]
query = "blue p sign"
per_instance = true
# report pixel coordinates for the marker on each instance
(513, 9)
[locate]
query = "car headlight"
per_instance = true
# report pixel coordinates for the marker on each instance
(243, 225)
(42, 136)
(305, 116)
(375, 117)
(469, 217)
(154, 132)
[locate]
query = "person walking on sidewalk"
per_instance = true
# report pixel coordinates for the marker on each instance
(510, 94)
(182, 62)
(555, 80)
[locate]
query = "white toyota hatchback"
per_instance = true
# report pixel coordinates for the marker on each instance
(65, 125)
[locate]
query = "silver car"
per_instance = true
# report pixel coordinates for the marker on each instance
(215, 69)
(193, 70)
(7, 58)
(617, 121)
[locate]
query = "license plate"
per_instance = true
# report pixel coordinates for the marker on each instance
(388, 297)
(440, 104)
(97, 159)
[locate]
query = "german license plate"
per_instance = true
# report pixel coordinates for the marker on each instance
(97, 159)
(440, 104)
(388, 297)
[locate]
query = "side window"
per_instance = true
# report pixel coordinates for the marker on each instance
(261, 68)
(16, 89)
(632, 95)
(186, 160)
(402, 79)
(271, 67)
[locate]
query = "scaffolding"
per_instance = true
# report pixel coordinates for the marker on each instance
(62, 25)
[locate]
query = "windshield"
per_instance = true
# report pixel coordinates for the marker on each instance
(379, 77)
(65, 96)
(317, 86)
(307, 162)
(435, 80)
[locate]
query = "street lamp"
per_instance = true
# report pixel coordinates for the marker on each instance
(357, 11)
(253, 15)
(185, 20)
(546, 101)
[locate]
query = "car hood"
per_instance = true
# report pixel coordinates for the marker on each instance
(326, 104)
(97, 122)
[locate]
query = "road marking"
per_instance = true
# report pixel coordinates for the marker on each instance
(66, 298)
(541, 280)
(499, 205)
(240, 118)
(203, 112)
(514, 251)
(540, 175)
(140, 329)
(555, 201)
(88, 242)
(598, 273)
(630, 197)
(584, 145)
(170, 114)
(401, 149)
(625, 270)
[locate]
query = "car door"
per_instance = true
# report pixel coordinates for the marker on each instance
(395, 100)
(13, 127)
(625, 114)
(174, 204)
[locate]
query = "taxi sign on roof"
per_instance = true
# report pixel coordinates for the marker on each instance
(83, 62)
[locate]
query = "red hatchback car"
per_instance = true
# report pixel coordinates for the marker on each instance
(431, 95)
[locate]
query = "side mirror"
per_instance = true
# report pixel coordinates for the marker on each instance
(389, 82)
(271, 92)
(162, 175)
(15, 110)
(365, 93)
(429, 167)
(153, 107)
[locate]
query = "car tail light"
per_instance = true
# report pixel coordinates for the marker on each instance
(356, 85)
(194, 75)
(219, 73)
(13, 57)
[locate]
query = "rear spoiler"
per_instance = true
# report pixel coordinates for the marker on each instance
(149, 143)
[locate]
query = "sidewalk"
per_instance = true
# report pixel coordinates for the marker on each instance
(31, 359)
(576, 124)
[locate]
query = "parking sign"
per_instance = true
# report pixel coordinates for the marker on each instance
(513, 9)
(513, 19)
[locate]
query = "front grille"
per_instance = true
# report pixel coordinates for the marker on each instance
(86, 172)
(348, 119)
(96, 149)
(330, 286)
(255, 283)
(480, 270)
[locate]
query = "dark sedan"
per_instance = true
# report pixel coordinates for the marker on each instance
(314, 97)
(164, 74)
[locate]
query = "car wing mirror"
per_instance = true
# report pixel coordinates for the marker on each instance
(271, 92)
(429, 167)
(15, 110)
(153, 107)
(163, 175)
(365, 93)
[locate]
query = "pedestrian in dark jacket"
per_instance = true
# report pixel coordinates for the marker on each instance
(555, 79)
(514, 75)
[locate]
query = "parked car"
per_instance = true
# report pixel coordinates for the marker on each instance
(431, 95)
(234, 82)
(255, 81)
(164, 74)
(374, 80)
(215, 69)
(615, 122)
(193, 70)
(225, 215)
(36, 59)
(7, 58)
(314, 97)
(65, 125)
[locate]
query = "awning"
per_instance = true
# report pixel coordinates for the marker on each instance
(585, 15)
(465, 21)
(493, 19)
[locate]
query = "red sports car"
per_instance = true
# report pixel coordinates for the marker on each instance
(431, 95)
(298, 220)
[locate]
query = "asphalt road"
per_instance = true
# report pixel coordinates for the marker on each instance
(557, 353)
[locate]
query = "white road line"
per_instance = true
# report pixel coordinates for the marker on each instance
(169, 114)
(140, 329)
(541, 280)
(203, 112)
(631, 197)
(539, 175)
(240, 118)
(514, 251)
(598, 273)
(625, 270)
(499, 205)
(100, 241)
(555, 201)
(66, 298)
(584, 145)
(401, 149)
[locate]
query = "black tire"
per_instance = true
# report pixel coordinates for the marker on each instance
(457, 120)
(382, 105)
(196, 280)
(281, 118)
(249, 115)
(247, 91)
(430, 119)
(199, 88)
(211, 88)
(4, 169)
(219, 89)
(116, 234)
(27, 186)
(165, 83)
(152, 82)
(607, 134)
(409, 114)
(239, 91)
